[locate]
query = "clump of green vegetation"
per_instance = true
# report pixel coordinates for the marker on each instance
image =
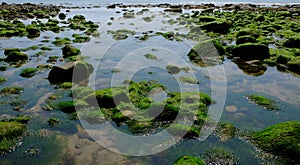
(184, 131)
(11, 90)
(189, 160)
(281, 139)
(15, 56)
(151, 56)
(225, 130)
(61, 41)
(81, 92)
(69, 50)
(220, 156)
(45, 48)
(147, 19)
(28, 72)
(80, 39)
(23, 119)
(9, 134)
(71, 106)
(189, 80)
(121, 34)
(65, 85)
(264, 102)
(2, 79)
(53, 121)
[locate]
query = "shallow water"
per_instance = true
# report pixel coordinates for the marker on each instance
(106, 54)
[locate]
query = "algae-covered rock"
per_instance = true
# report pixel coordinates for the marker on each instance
(245, 39)
(225, 130)
(69, 50)
(247, 32)
(189, 80)
(53, 121)
(294, 64)
(173, 69)
(71, 106)
(221, 27)
(2, 79)
(281, 139)
(219, 155)
(292, 42)
(70, 72)
(29, 72)
(267, 103)
(16, 56)
(11, 90)
(207, 53)
(184, 131)
(9, 134)
(251, 51)
(189, 160)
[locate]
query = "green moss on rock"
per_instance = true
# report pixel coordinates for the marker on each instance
(69, 50)
(189, 160)
(245, 39)
(71, 106)
(28, 72)
(263, 101)
(251, 51)
(53, 121)
(16, 56)
(11, 90)
(9, 133)
(281, 139)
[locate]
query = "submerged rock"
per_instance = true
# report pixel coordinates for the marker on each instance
(281, 139)
(207, 53)
(70, 72)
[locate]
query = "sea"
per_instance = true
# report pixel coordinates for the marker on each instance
(105, 2)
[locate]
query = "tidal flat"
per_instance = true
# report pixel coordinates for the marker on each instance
(222, 80)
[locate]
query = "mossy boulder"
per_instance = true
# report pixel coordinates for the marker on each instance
(218, 155)
(292, 42)
(221, 27)
(9, 134)
(245, 39)
(16, 56)
(108, 98)
(9, 50)
(33, 30)
(294, 64)
(189, 160)
(251, 51)
(247, 32)
(71, 106)
(70, 72)
(70, 50)
(207, 53)
(28, 72)
(281, 139)
(2, 79)
(189, 80)
(225, 130)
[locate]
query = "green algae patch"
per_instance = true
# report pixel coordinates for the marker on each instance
(11, 90)
(184, 131)
(218, 155)
(71, 106)
(172, 69)
(121, 34)
(53, 121)
(29, 72)
(61, 41)
(2, 79)
(9, 134)
(23, 119)
(189, 160)
(65, 85)
(294, 64)
(281, 139)
(225, 131)
(189, 80)
(267, 103)
(151, 56)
